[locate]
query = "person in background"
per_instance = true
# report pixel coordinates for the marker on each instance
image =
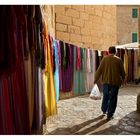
(113, 74)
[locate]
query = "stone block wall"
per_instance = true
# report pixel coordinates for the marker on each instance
(92, 26)
(126, 24)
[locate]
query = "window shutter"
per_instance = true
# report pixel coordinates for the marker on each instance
(134, 37)
(134, 12)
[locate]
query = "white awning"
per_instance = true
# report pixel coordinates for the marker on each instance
(130, 45)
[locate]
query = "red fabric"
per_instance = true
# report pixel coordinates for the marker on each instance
(78, 58)
(7, 114)
(15, 101)
(51, 52)
(8, 40)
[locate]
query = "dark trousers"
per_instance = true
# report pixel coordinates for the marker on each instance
(109, 102)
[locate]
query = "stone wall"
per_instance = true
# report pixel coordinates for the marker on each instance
(90, 26)
(126, 24)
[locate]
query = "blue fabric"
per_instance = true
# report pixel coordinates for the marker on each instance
(109, 102)
(56, 73)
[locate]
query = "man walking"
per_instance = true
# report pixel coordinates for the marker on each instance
(113, 74)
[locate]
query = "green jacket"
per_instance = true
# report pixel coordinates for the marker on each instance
(112, 70)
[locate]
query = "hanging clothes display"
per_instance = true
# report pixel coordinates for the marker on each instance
(56, 72)
(15, 117)
(48, 79)
(136, 76)
(7, 119)
(132, 65)
(30, 23)
(36, 52)
(59, 64)
(82, 72)
(132, 58)
(97, 59)
(8, 39)
(24, 56)
(121, 53)
(29, 82)
(78, 58)
(79, 75)
(126, 63)
(129, 56)
(67, 52)
(88, 70)
(92, 72)
(91, 60)
(76, 76)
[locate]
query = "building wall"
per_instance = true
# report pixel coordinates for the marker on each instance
(90, 26)
(126, 24)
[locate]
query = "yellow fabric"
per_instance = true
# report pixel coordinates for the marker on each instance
(49, 88)
(126, 63)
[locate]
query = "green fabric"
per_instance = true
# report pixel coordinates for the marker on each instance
(79, 77)
(112, 70)
(82, 73)
(76, 76)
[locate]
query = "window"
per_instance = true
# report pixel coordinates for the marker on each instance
(134, 12)
(134, 37)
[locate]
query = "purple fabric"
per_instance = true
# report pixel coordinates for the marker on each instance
(59, 66)
(67, 74)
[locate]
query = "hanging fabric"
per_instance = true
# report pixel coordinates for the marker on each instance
(92, 71)
(136, 76)
(78, 58)
(82, 72)
(48, 79)
(38, 91)
(59, 65)
(79, 75)
(56, 72)
(76, 75)
(126, 63)
(15, 113)
(88, 70)
(67, 67)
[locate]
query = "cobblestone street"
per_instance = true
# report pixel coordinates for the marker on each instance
(82, 116)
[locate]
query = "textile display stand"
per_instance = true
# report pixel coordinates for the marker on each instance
(130, 55)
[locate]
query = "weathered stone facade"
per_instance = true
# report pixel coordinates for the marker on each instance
(90, 26)
(126, 25)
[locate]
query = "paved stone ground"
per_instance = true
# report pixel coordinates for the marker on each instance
(82, 116)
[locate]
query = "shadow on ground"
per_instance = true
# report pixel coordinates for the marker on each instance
(128, 125)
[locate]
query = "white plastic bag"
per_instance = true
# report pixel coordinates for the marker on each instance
(95, 93)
